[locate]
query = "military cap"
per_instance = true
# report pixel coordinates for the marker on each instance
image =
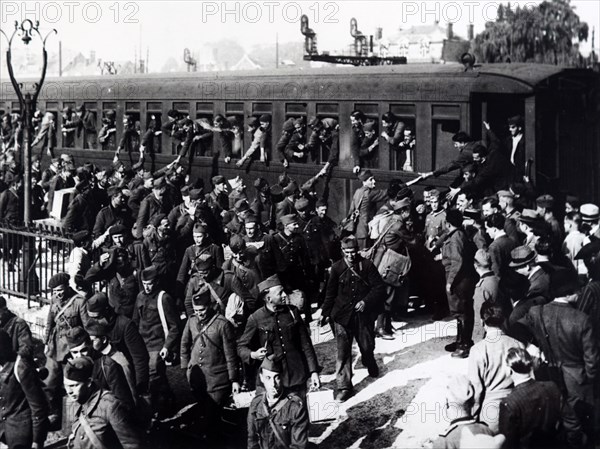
(460, 389)
(291, 188)
(251, 218)
(202, 296)
(113, 191)
(195, 194)
(507, 193)
(545, 201)
(365, 175)
(78, 370)
(185, 191)
(204, 262)
(301, 204)
(159, 183)
(98, 303)
(473, 214)
(521, 256)
(272, 363)
(147, 175)
(199, 227)
(76, 336)
(369, 126)
(265, 118)
(589, 212)
(237, 244)
(219, 179)
(321, 202)
(58, 279)
(482, 257)
(79, 237)
(241, 205)
(270, 282)
(118, 229)
(253, 122)
(461, 137)
(404, 202)
(516, 120)
(174, 113)
(233, 121)
(589, 250)
(563, 282)
(454, 217)
(529, 216)
(150, 273)
(137, 166)
(350, 242)
(288, 126)
(289, 219)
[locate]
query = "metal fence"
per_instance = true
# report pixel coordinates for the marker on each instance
(29, 258)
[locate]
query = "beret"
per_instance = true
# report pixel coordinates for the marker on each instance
(58, 280)
(545, 201)
(78, 370)
(291, 188)
(482, 257)
(289, 219)
(521, 256)
(272, 363)
(98, 303)
(79, 237)
(241, 205)
(150, 273)
(454, 217)
(265, 118)
(199, 227)
(118, 229)
(159, 183)
(460, 389)
(76, 336)
(219, 179)
(204, 262)
(589, 212)
(196, 194)
(202, 297)
(349, 243)
(301, 204)
(271, 281)
(365, 175)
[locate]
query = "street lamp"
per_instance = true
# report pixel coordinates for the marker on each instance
(27, 31)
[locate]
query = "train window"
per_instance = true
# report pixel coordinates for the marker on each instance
(261, 108)
(182, 107)
(110, 105)
(292, 109)
(154, 118)
(445, 111)
(328, 110)
(203, 146)
(404, 157)
(403, 109)
(132, 106)
(234, 108)
(155, 106)
(369, 148)
(90, 117)
(442, 145)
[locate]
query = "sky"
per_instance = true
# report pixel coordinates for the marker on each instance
(117, 29)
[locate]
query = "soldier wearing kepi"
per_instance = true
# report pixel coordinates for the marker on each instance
(276, 420)
(354, 292)
(364, 203)
(278, 329)
(101, 420)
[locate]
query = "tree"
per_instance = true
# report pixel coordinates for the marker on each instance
(548, 33)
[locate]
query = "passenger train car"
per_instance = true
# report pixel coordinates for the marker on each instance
(560, 106)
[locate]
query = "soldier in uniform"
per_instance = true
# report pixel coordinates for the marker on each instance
(354, 294)
(17, 328)
(108, 133)
(130, 140)
(117, 212)
(209, 357)
(87, 124)
(70, 125)
(276, 420)
(217, 200)
(364, 203)
(99, 413)
(263, 205)
(286, 207)
(155, 203)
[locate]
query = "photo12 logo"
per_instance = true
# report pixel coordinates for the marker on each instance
(73, 12)
(269, 12)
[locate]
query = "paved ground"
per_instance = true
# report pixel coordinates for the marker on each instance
(400, 409)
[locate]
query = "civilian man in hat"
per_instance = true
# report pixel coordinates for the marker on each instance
(459, 397)
(276, 419)
(354, 295)
(87, 124)
(101, 420)
(17, 329)
(23, 405)
(277, 329)
(524, 262)
(566, 337)
(154, 204)
(365, 202)
(532, 225)
(501, 246)
(530, 415)
(209, 358)
(67, 310)
(107, 374)
(124, 335)
(117, 212)
(286, 207)
(590, 216)
(464, 144)
(156, 315)
(545, 205)
(457, 257)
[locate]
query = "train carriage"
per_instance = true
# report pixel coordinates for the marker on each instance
(561, 108)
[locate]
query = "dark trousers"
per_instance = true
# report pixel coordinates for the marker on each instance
(460, 301)
(53, 385)
(160, 392)
(211, 404)
(578, 413)
(360, 328)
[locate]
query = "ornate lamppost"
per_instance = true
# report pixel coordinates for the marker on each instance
(27, 31)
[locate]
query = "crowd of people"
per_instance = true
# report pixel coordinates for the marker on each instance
(167, 270)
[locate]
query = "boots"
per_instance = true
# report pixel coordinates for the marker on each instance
(454, 345)
(384, 326)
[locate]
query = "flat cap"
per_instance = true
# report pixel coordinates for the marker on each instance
(265, 118)
(98, 329)
(563, 282)
(76, 336)
(271, 281)
(365, 175)
(98, 303)
(545, 201)
(219, 179)
(289, 219)
(241, 205)
(272, 363)
(150, 273)
(118, 229)
(58, 280)
(521, 256)
(201, 297)
(403, 203)
(516, 120)
(195, 194)
(589, 212)
(78, 370)
(530, 216)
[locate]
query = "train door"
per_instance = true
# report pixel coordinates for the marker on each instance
(405, 113)
(369, 152)
(445, 122)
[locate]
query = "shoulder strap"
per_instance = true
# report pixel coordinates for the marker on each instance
(387, 229)
(64, 309)
(270, 414)
(90, 433)
(161, 313)
(204, 329)
(216, 297)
